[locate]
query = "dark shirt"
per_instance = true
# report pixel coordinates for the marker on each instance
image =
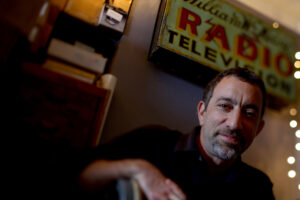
(178, 157)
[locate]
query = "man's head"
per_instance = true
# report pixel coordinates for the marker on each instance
(231, 113)
(241, 73)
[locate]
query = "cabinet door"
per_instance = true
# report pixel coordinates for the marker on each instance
(61, 109)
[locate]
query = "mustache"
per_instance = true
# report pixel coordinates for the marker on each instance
(233, 133)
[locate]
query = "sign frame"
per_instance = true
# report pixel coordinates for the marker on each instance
(178, 57)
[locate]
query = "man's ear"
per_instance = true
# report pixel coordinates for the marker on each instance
(201, 112)
(260, 127)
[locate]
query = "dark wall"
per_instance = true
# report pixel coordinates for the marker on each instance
(145, 94)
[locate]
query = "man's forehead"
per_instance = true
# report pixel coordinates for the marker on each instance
(237, 82)
(230, 87)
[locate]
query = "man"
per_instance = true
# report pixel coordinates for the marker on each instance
(205, 164)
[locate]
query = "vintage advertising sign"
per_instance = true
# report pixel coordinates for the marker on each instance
(220, 35)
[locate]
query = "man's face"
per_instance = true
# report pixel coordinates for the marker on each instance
(232, 118)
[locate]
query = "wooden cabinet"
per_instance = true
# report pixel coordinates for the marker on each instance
(61, 109)
(50, 105)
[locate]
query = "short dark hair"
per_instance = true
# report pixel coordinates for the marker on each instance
(242, 74)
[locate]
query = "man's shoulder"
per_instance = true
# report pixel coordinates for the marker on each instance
(148, 142)
(255, 174)
(149, 133)
(257, 180)
(154, 129)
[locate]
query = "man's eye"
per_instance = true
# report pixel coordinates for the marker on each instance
(224, 106)
(250, 113)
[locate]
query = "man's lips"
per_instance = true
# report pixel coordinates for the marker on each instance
(230, 138)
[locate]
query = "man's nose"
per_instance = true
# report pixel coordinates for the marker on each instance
(234, 121)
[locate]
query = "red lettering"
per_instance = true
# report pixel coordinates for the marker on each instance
(185, 20)
(246, 48)
(217, 33)
(266, 57)
(283, 70)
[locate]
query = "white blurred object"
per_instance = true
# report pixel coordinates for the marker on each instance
(128, 189)
(108, 82)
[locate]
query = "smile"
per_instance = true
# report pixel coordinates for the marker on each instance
(230, 138)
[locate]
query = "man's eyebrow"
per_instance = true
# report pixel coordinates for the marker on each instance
(252, 106)
(229, 100)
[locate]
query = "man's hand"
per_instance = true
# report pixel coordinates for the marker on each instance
(155, 185)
